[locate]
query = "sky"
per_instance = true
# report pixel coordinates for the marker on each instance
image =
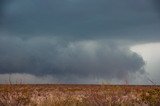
(80, 41)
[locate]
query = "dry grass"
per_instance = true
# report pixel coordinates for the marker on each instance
(79, 95)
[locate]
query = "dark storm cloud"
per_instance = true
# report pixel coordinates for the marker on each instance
(63, 38)
(46, 56)
(2, 3)
(157, 4)
(82, 19)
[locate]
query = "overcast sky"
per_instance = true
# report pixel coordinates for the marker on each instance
(79, 41)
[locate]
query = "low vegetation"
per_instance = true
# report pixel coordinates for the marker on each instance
(79, 95)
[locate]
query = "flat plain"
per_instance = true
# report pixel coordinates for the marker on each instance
(79, 95)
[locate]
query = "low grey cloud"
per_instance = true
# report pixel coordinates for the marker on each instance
(22, 78)
(68, 60)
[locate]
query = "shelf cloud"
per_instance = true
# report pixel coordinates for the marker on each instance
(81, 59)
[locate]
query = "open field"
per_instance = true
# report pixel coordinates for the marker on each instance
(79, 95)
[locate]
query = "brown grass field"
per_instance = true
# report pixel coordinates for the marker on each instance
(79, 95)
